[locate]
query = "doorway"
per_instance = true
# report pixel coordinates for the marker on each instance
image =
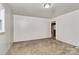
(53, 30)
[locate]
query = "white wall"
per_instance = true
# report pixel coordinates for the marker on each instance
(67, 27)
(30, 28)
(6, 37)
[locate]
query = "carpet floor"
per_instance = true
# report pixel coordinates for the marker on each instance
(43, 47)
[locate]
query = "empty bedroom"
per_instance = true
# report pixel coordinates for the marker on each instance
(39, 29)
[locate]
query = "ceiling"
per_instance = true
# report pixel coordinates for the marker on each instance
(36, 9)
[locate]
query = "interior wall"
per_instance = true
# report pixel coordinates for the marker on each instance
(6, 37)
(30, 28)
(67, 28)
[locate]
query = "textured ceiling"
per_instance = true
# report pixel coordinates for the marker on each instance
(36, 9)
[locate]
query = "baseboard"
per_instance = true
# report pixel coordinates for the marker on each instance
(67, 43)
(32, 40)
(9, 48)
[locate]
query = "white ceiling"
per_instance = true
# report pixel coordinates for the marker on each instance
(36, 9)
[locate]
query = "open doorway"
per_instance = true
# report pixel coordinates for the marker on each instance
(53, 30)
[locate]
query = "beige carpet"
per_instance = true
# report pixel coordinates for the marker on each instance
(43, 47)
